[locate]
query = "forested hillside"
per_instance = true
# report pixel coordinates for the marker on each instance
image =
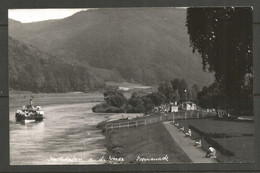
(32, 70)
(140, 45)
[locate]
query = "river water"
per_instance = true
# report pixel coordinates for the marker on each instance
(68, 135)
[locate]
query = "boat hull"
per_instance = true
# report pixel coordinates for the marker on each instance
(31, 118)
(28, 121)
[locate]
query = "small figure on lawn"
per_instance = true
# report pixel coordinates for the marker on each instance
(182, 128)
(177, 124)
(198, 143)
(211, 153)
(188, 134)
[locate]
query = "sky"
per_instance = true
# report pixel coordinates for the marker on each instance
(35, 15)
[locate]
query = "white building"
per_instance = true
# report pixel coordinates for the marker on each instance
(188, 106)
(174, 107)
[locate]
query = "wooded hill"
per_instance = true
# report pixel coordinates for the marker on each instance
(33, 70)
(142, 45)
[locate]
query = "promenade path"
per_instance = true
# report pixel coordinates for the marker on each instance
(196, 154)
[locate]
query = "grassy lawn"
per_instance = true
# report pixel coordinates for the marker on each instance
(151, 141)
(242, 146)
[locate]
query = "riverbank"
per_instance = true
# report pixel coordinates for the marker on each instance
(153, 144)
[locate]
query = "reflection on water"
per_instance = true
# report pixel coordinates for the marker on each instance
(67, 131)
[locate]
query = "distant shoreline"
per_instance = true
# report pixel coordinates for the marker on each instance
(16, 100)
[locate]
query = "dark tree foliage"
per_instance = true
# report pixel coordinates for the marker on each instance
(168, 91)
(193, 93)
(213, 96)
(210, 97)
(166, 88)
(180, 85)
(116, 102)
(148, 104)
(135, 104)
(135, 100)
(174, 91)
(196, 88)
(114, 97)
(157, 98)
(223, 37)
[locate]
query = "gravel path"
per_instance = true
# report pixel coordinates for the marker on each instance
(196, 154)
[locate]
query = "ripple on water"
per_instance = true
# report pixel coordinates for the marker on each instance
(67, 131)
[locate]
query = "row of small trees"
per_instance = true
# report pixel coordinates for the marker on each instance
(168, 91)
(214, 96)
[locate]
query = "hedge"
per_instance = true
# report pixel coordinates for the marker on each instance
(212, 142)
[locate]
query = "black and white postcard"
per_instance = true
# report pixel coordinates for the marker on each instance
(161, 85)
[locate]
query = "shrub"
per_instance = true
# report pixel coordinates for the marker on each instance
(112, 109)
(99, 107)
